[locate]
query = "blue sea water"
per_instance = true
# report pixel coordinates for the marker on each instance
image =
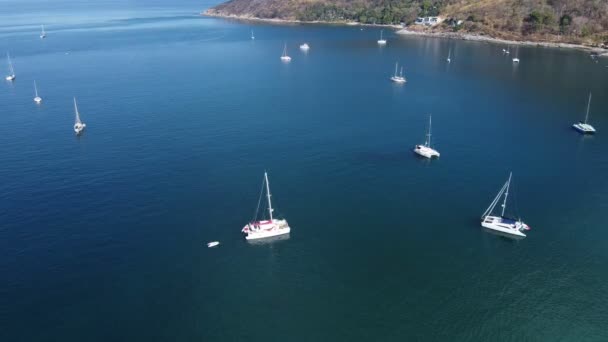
(102, 237)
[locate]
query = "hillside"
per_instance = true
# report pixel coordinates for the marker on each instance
(574, 21)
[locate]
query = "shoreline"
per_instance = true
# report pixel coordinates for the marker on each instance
(404, 31)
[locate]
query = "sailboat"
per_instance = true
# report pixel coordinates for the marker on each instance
(426, 150)
(449, 59)
(42, 33)
(252, 36)
(398, 78)
(78, 125)
(501, 223)
(381, 41)
(516, 59)
(11, 72)
(260, 229)
(284, 57)
(584, 127)
(37, 99)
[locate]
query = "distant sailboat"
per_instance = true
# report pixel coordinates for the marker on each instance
(381, 41)
(501, 223)
(42, 32)
(265, 228)
(37, 99)
(449, 59)
(426, 150)
(516, 59)
(584, 127)
(284, 57)
(78, 125)
(304, 47)
(398, 78)
(11, 72)
(252, 36)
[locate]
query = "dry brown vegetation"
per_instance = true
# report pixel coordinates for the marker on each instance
(574, 21)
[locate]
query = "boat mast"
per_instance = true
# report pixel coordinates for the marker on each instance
(268, 194)
(588, 105)
(76, 110)
(285, 50)
(396, 66)
(381, 34)
(504, 204)
(43, 33)
(428, 136)
(10, 64)
(35, 88)
(401, 72)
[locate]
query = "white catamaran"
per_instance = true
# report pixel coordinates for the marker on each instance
(260, 229)
(37, 98)
(284, 57)
(501, 223)
(42, 32)
(11, 72)
(381, 41)
(398, 78)
(78, 125)
(426, 150)
(584, 127)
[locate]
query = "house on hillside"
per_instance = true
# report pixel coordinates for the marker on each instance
(428, 21)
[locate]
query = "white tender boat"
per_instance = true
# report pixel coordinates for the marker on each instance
(212, 244)
(260, 229)
(78, 125)
(501, 223)
(42, 32)
(381, 41)
(304, 47)
(583, 126)
(398, 78)
(37, 99)
(426, 150)
(11, 72)
(284, 57)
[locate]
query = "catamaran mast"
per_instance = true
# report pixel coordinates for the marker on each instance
(35, 89)
(588, 105)
(428, 139)
(268, 194)
(504, 203)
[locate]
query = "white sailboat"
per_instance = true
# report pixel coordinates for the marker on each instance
(584, 127)
(516, 59)
(381, 41)
(304, 47)
(252, 36)
(11, 72)
(449, 59)
(501, 223)
(42, 32)
(78, 125)
(37, 98)
(260, 229)
(398, 78)
(426, 150)
(284, 57)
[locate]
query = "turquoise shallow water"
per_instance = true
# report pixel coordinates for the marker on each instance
(102, 237)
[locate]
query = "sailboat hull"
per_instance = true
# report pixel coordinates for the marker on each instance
(504, 225)
(426, 152)
(266, 229)
(584, 128)
(10, 77)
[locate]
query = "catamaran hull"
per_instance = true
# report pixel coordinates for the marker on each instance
(268, 233)
(494, 223)
(584, 128)
(426, 152)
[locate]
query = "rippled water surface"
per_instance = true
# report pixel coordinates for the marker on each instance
(102, 237)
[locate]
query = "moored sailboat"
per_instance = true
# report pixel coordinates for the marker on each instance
(78, 124)
(426, 150)
(260, 229)
(583, 126)
(381, 41)
(11, 71)
(502, 223)
(284, 57)
(42, 32)
(37, 98)
(398, 78)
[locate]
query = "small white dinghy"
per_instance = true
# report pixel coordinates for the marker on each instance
(212, 244)
(284, 57)
(426, 150)
(304, 47)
